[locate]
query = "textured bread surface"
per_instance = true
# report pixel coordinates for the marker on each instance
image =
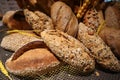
(63, 18)
(112, 17)
(38, 20)
(32, 62)
(91, 19)
(14, 41)
(99, 50)
(68, 49)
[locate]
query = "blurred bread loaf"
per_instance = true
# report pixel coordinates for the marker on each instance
(99, 50)
(112, 17)
(14, 41)
(38, 20)
(63, 18)
(15, 20)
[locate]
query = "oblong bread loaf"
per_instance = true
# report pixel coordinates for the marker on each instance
(15, 41)
(38, 20)
(63, 18)
(32, 59)
(69, 50)
(99, 50)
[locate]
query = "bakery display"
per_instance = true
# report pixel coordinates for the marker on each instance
(65, 39)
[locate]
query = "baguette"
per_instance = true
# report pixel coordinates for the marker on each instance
(69, 50)
(99, 50)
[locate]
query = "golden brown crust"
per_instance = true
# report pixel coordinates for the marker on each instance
(32, 62)
(63, 18)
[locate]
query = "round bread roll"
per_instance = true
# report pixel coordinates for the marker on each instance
(31, 60)
(63, 18)
(15, 20)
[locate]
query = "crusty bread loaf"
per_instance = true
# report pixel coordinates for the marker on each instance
(63, 18)
(112, 17)
(38, 20)
(14, 41)
(32, 59)
(91, 19)
(111, 37)
(99, 50)
(15, 20)
(69, 50)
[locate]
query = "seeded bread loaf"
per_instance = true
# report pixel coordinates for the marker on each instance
(63, 18)
(91, 19)
(99, 50)
(35, 60)
(38, 20)
(14, 41)
(69, 50)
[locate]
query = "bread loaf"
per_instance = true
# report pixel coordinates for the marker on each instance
(14, 41)
(38, 20)
(112, 17)
(63, 18)
(69, 50)
(15, 20)
(99, 50)
(91, 19)
(32, 59)
(111, 37)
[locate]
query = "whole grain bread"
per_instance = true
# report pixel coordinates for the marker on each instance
(38, 20)
(91, 19)
(15, 41)
(69, 50)
(99, 50)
